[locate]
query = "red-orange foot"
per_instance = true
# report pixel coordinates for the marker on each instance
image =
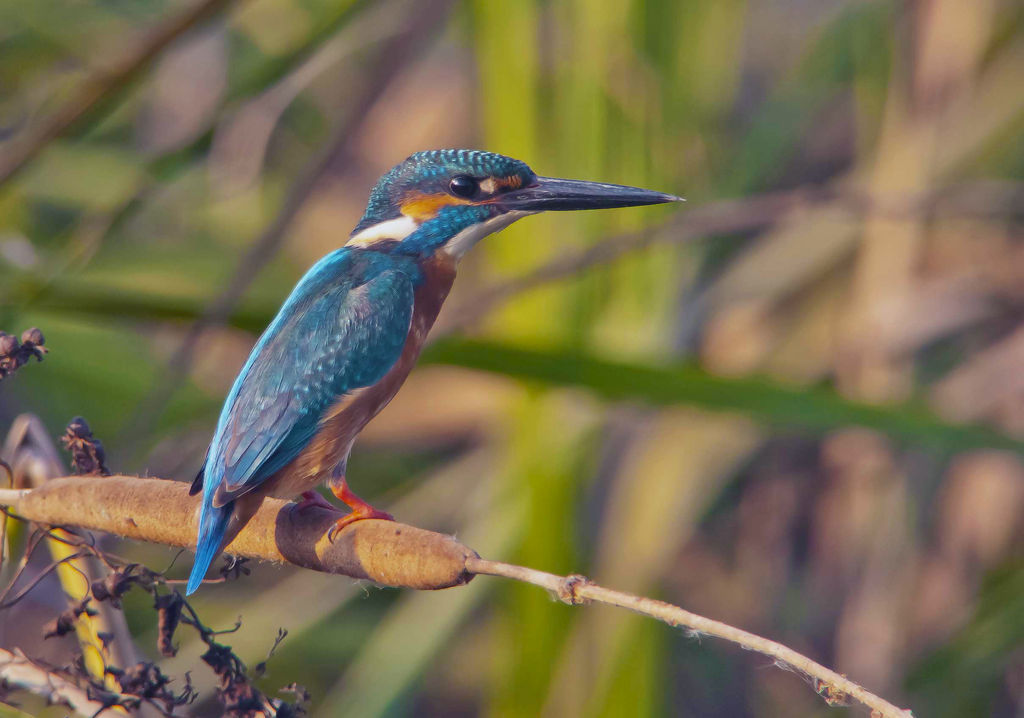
(351, 518)
(360, 508)
(311, 499)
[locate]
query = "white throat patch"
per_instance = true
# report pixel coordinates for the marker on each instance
(397, 229)
(464, 240)
(401, 227)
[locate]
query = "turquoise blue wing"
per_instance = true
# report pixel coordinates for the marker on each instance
(343, 328)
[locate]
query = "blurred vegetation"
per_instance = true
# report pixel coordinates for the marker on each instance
(811, 429)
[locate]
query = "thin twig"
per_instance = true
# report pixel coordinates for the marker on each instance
(30, 546)
(100, 88)
(576, 590)
(8, 496)
(37, 578)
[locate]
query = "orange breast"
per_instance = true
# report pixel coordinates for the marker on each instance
(341, 423)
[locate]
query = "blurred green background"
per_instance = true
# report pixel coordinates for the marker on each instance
(795, 404)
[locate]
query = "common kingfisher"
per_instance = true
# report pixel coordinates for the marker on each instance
(346, 338)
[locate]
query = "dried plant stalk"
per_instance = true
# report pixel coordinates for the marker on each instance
(386, 552)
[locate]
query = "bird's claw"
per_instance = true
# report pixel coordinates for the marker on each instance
(357, 515)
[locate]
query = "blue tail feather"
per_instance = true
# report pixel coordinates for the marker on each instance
(213, 523)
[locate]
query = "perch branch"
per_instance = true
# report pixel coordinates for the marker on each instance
(161, 511)
(386, 552)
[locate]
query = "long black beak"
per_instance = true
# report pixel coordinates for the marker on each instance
(550, 194)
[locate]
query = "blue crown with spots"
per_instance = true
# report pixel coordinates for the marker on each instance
(429, 172)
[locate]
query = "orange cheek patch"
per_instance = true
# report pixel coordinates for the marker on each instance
(422, 207)
(512, 182)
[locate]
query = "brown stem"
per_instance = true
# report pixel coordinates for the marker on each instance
(575, 590)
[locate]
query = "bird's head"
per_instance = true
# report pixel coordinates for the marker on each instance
(448, 200)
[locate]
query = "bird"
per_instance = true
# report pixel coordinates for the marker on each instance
(351, 330)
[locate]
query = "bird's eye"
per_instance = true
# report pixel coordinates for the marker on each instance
(463, 186)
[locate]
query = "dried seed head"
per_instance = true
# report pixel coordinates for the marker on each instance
(8, 344)
(79, 427)
(86, 450)
(59, 626)
(33, 336)
(168, 609)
